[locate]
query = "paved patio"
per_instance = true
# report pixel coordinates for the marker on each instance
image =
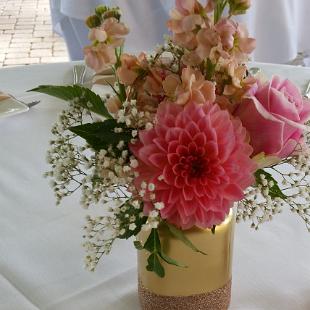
(26, 35)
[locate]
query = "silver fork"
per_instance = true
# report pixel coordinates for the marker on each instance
(254, 70)
(28, 104)
(307, 91)
(79, 72)
(32, 103)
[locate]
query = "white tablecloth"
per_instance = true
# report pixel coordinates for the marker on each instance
(40, 244)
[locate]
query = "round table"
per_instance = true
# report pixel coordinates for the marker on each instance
(41, 261)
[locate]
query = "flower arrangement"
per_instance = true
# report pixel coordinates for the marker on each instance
(187, 134)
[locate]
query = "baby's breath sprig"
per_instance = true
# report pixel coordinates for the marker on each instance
(285, 185)
(120, 222)
(66, 157)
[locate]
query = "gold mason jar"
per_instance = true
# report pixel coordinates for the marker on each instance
(206, 282)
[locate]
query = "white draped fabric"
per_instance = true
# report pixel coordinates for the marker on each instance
(40, 244)
(281, 27)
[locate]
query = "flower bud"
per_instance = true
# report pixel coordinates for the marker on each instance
(93, 21)
(101, 9)
(237, 7)
(112, 13)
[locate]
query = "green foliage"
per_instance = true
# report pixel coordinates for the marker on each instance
(179, 234)
(213, 229)
(170, 260)
(102, 135)
(153, 245)
(274, 191)
(218, 10)
(210, 69)
(82, 95)
(138, 245)
(155, 265)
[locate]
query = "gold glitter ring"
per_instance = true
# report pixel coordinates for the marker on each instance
(218, 299)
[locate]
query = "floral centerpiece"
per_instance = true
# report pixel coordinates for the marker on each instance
(187, 134)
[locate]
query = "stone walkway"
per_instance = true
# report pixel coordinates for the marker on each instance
(26, 35)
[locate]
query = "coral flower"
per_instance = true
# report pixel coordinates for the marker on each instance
(193, 87)
(106, 38)
(130, 66)
(127, 72)
(99, 57)
(198, 158)
(110, 29)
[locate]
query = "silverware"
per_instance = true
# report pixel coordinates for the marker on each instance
(307, 91)
(31, 104)
(254, 70)
(28, 104)
(79, 72)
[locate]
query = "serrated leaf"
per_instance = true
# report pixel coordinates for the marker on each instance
(138, 245)
(274, 191)
(181, 236)
(155, 265)
(170, 260)
(152, 243)
(101, 135)
(88, 99)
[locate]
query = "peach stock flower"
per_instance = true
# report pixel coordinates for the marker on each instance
(198, 159)
(113, 104)
(127, 72)
(130, 66)
(235, 36)
(111, 30)
(192, 87)
(105, 39)
(99, 57)
(185, 18)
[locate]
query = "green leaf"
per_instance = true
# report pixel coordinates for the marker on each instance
(218, 10)
(101, 135)
(155, 265)
(170, 260)
(86, 98)
(274, 191)
(210, 69)
(213, 229)
(181, 236)
(152, 243)
(138, 245)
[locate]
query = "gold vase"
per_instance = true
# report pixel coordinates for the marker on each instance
(206, 282)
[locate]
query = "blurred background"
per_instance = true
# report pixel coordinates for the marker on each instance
(44, 31)
(26, 35)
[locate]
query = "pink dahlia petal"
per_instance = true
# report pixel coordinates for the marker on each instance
(203, 158)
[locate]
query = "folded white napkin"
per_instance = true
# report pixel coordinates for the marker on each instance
(4, 96)
(10, 106)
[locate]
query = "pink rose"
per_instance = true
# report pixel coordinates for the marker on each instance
(274, 117)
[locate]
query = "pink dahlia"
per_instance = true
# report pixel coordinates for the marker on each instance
(198, 158)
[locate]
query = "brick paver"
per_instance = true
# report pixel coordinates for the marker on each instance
(26, 35)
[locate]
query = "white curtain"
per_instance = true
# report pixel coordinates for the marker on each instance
(281, 27)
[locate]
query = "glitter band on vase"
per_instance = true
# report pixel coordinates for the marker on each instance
(218, 299)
